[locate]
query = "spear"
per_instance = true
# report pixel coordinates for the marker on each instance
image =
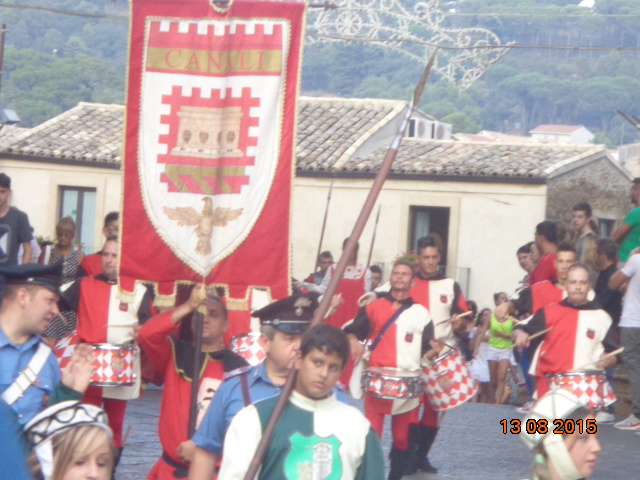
(197, 361)
(373, 238)
(324, 224)
(347, 252)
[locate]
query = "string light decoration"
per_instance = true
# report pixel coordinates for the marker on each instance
(465, 53)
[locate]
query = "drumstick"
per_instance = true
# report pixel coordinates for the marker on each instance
(535, 335)
(465, 314)
(610, 354)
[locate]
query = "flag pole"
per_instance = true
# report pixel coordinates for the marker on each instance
(373, 237)
(197, 354)
(324, 224)
(348, 250)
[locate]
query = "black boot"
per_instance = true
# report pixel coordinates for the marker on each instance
(427, 437)
(397, 461)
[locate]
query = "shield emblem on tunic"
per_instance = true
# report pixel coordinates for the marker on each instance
(211, 114)
(313, 458)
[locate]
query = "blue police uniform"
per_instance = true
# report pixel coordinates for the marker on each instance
(12, 453)
(14, 358)
(229, 400)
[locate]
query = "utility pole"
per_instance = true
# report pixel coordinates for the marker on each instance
(3, 32)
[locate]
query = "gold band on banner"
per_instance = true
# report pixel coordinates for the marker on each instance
(224, 62)
(174, 172)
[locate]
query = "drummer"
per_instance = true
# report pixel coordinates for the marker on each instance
(400, 331)
(283, 323)
(580, 333)
(105, 319)
(173, 357)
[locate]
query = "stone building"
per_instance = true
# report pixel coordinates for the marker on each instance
(484, 199)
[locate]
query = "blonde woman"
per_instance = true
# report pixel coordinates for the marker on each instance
(71, 442)
(570, 455)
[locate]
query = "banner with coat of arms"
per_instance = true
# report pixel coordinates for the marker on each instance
(209, 145)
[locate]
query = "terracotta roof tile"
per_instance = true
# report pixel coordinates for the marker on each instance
(434, 157)
(90, 132)
(556, 129)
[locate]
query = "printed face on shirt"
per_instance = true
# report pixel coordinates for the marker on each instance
(40, 307)
(318, 373)
(564, 260)
(401, 278)
(110, 260)
(428, 261)
(281, 350)
(584, 449)
(578, 286)
(95, 465)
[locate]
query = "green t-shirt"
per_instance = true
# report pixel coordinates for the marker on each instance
(505, 328)
(632, 240)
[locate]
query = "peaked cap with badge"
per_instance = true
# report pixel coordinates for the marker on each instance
(47, 276)
(291, 315)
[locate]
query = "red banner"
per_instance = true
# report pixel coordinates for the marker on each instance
(210, 130)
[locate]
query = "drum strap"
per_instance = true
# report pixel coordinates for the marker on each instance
(28, 376)
(244, 386)
(387, 325)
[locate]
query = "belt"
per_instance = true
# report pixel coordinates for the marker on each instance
(182, 470)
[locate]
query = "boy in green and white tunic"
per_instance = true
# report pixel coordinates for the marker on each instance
(317, 436)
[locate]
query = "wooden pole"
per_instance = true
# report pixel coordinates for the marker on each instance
(195, 377)
(324, 224)
(347, 253)
(373, 237)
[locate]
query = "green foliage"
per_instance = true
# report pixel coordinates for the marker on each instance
(601, 138)
(53, 61)
(461, 123)
(40, 86)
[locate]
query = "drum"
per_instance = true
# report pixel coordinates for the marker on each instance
(63, 349)
(447, 382)
(391, 383)
(248, 347)
(591, 387)
(114, 365)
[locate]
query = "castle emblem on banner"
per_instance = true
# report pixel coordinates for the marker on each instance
(211, 121)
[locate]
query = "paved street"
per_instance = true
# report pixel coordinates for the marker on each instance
(470, 445)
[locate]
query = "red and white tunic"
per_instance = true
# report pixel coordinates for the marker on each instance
(401, 346)
(104, 318)
(174, 359)
(580, 335)
(352, 286)
(443, 298)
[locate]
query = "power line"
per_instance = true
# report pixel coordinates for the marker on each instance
(65, 12)
(507, 46)
(543, 15)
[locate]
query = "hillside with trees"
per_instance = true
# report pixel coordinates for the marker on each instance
(52, 61)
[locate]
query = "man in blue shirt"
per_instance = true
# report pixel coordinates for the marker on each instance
(283, 323)
(29, 302)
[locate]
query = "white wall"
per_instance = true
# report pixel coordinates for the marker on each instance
(488, 222)
(35, 191)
